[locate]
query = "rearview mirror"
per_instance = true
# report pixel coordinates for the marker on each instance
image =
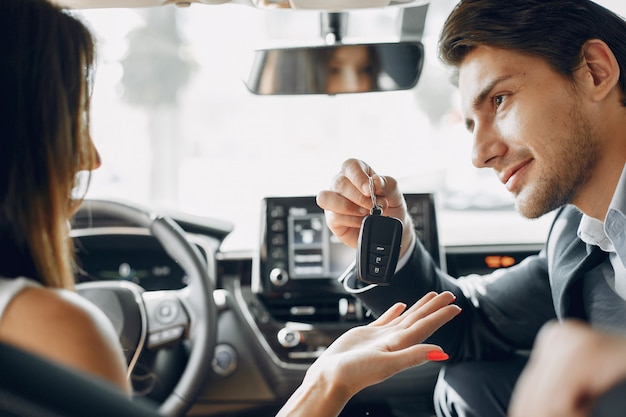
(336, 69)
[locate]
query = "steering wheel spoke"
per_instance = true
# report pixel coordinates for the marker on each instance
(167, 318)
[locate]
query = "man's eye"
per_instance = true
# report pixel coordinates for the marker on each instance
(498, 100)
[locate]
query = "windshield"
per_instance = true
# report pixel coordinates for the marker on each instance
(177, 128)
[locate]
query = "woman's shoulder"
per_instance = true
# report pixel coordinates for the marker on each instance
(10, 287)
(64, 327)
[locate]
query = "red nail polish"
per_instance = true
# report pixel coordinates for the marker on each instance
(435, 355)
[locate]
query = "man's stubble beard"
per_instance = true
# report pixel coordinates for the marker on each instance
(560, 182)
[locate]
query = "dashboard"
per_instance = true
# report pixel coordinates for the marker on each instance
(296, 245)
(127, 256)
(280, 305)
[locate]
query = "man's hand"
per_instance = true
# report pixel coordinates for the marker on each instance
(349, 200)
(571, 366)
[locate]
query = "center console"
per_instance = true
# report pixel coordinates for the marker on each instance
(298, 303)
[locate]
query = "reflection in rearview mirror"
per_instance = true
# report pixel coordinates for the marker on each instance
(336, 69)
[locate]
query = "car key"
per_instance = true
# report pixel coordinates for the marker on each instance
(379, 244)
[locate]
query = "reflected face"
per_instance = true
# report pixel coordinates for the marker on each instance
(350, 69)
(529, 126)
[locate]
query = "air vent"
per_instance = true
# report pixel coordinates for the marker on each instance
(321, 309)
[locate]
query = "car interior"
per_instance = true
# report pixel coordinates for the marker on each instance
(218, 122)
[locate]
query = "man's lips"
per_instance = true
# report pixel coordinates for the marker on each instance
(509, 176)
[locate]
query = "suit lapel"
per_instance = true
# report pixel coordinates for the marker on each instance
(570, 260)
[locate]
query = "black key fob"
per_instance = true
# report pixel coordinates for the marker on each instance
(378, 248)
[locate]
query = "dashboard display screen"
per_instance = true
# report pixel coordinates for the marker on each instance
(313, 250)
(135, 258)
(298, 251)
(297, 245)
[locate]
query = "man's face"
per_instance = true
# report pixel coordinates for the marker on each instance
(528, 125)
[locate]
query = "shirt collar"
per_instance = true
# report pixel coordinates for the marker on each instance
(591, 231)
(610, 234)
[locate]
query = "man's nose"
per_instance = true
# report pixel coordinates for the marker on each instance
(487, 146)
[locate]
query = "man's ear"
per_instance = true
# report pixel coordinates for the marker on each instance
(599, 68)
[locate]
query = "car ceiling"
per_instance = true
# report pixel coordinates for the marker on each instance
(323, 5)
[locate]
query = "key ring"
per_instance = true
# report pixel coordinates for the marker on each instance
(376, 209)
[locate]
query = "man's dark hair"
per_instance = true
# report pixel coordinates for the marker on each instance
(554, 30)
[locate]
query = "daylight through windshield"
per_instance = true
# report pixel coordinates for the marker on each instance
(177, 128)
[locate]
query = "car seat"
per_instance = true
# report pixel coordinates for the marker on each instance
(31, 386)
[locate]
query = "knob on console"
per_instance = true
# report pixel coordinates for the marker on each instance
(289, 338)
(279, 276)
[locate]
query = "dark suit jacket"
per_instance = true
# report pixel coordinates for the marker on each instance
(503, 311)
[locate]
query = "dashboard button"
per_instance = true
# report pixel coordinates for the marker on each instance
(224, 360)
(167, 312)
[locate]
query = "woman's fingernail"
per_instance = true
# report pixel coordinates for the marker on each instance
(435, 355)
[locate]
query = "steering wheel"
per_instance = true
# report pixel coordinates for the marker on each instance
(146, 321)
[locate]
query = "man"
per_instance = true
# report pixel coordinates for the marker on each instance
(573, 369)
(543, 92)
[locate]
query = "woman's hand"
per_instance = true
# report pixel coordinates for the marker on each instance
(367, 355)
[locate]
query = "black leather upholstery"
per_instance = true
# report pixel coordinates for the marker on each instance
(31, 386)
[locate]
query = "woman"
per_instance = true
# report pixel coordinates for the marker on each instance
(47, 59)
(45, 80)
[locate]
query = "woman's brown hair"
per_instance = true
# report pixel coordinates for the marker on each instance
(45, 82)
